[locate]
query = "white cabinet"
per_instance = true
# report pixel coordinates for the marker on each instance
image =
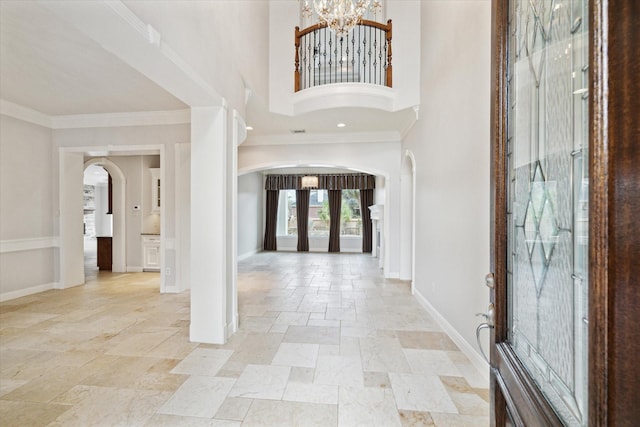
(151, 253)
(155, 190)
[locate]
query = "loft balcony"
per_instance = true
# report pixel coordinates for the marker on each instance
(362, 56)
(358, 70)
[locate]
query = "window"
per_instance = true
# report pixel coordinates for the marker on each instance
(350, 221)
(287, 217)
(351, 224)
(318, 213)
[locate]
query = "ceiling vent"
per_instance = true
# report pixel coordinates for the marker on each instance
(298, 130)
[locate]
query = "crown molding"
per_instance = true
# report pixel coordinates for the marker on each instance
(141, 118)
(25, 114)
(81, 121)
(324, 138)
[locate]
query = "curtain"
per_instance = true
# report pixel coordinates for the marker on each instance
(353, 181)
(302, 216)
(335, 208)
(271, 221)
(366, 200)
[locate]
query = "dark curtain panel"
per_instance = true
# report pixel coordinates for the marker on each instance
(335, 207)
(271, 221)
(302, 214)
(366, 200)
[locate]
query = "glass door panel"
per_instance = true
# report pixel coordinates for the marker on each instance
(547, 213)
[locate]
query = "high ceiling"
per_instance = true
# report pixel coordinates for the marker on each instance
(50, 66)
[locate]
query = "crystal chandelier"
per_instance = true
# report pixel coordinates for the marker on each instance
(340, 15)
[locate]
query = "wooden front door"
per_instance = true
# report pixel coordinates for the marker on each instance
(566, 213)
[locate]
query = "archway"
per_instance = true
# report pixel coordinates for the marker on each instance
(320, 242)
(118, 209)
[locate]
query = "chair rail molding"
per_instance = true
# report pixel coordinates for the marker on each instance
(29, 244)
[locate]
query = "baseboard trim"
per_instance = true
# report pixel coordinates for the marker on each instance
(7, 296)
(468, 350)
(232, 327)
(134, 269)
(247, 255)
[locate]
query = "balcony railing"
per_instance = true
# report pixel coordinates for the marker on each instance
(364, 55)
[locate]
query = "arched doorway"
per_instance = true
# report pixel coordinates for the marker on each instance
(118, 211)
(98, 227)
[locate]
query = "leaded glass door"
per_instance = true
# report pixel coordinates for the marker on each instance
(542, 343)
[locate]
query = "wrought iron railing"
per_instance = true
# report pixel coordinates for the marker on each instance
(364, 55)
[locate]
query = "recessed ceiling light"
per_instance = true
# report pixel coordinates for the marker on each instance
(249, 127)
(341, 125)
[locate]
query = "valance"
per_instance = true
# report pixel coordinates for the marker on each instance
(344, 181)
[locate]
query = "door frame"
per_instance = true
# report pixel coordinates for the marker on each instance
(614, 241)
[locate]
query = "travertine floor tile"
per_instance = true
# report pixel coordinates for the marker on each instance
(323, 340)
(20, 414)
(203, 361)
(265, 413)
(199, 396)
(109, 406)
(261, 382)
(233, 408)
(367, 406)
(417, 392)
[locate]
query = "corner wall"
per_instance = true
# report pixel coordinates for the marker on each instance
(27, 243)
(451, 146)
(250, 214)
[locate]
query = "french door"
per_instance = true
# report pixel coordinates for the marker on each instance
(566, 202)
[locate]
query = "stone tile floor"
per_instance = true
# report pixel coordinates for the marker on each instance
(324, 340)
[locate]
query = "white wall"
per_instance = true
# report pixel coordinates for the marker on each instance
(150, 220)
(451, 146)
(27, 245)
(25, 172)
(226, 42)
(377, 158)
(250, 213)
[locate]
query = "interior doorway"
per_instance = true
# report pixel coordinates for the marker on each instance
(98, 220)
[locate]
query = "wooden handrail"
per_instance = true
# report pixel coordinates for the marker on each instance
(387, 28)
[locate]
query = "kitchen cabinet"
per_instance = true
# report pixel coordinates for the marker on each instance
(104, 247)
(151, 252)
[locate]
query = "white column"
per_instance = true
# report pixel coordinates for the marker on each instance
(377, 228)
(71, 219)
(208, 224)
(183, 215)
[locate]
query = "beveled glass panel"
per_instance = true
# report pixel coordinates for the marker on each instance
(548, 198)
